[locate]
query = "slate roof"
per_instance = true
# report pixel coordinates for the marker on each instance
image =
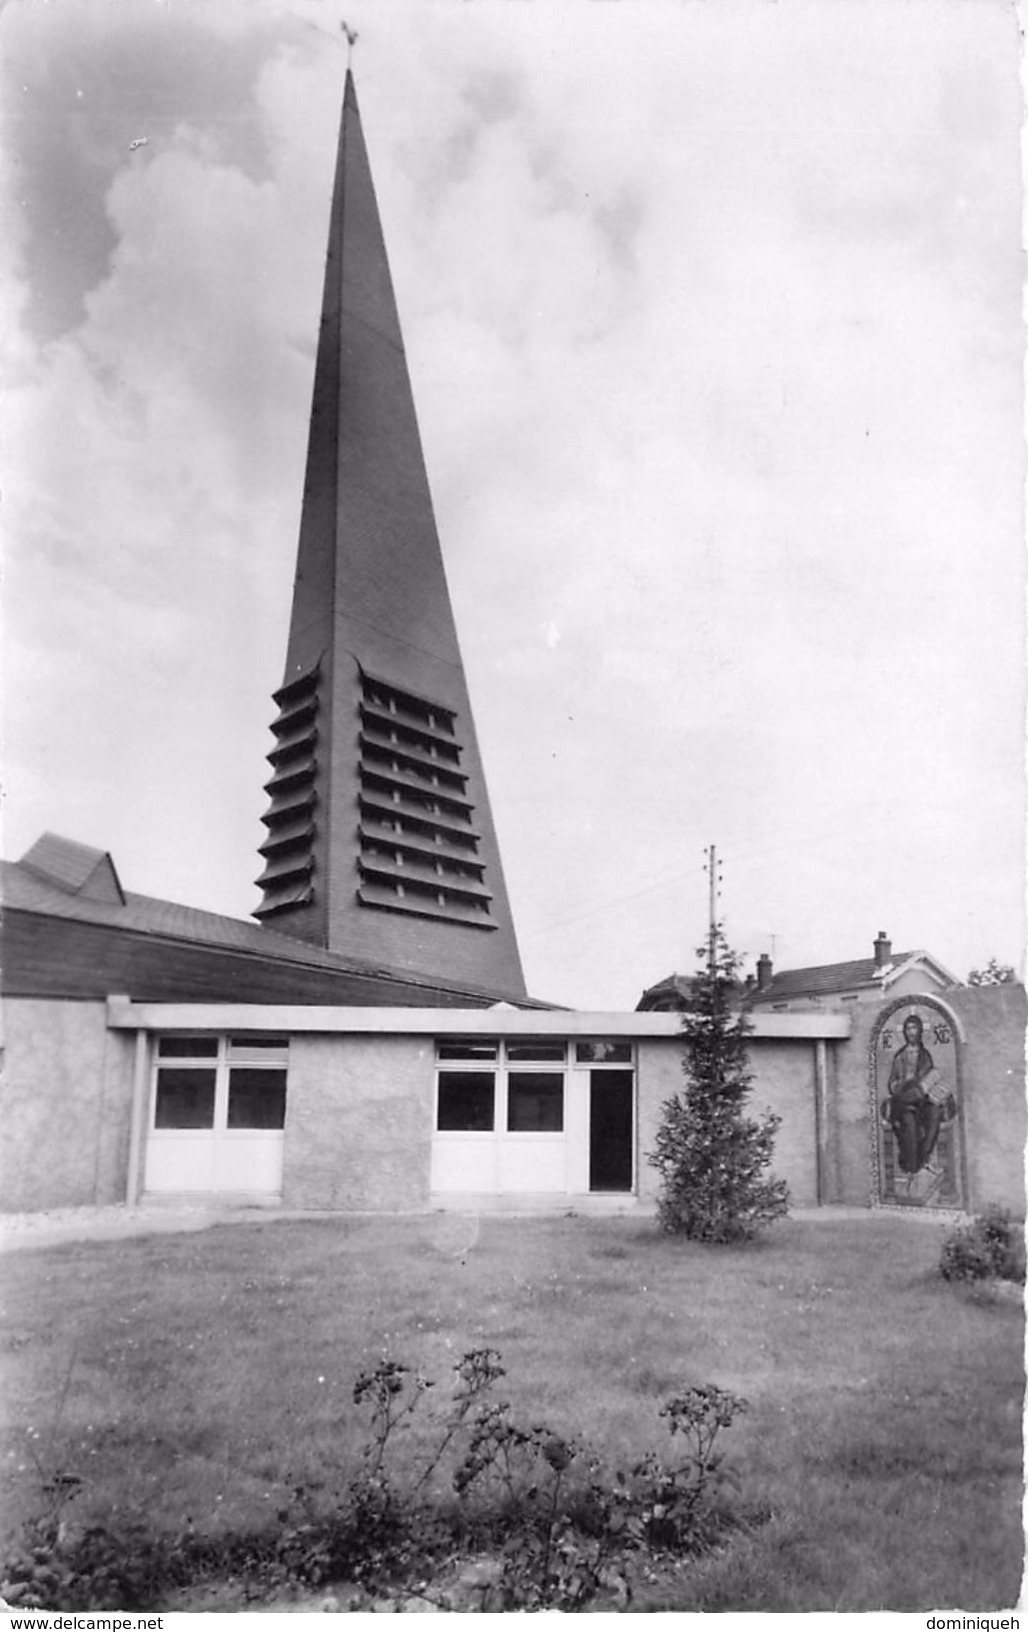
(820, 981)
(59, 896)
(74, 866)
(673, 992)
(827, 979)
(672, 987)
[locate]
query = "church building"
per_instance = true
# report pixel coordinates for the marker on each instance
(368, 1043)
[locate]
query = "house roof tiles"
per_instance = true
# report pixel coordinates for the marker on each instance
(811, 984)
(827, 979)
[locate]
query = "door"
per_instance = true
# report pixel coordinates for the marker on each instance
(611, 1123)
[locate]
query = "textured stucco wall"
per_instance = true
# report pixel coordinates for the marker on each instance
(783, 1082)
(914, 981)
(658, 1076)
(992, 1096)
(850, 1122)
(65, 1105)
(359, 1123)
(994, 1019)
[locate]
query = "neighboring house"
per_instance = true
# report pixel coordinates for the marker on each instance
(669, 996)
(863, 980)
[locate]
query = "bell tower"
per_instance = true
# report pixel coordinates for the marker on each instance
(380, 841)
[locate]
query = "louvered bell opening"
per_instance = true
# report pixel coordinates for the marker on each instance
(291, 773)
(381, 725)
(295, 744)
(403, 865)
(416, 832)
(378, 808)
(428, 849)
(422, 901)
(406, 706)
(285, 867)
(412, 761)
(287, 879)
(304, 685)
(292, 893)
(290, 835)
(416, 795)
(289, 804)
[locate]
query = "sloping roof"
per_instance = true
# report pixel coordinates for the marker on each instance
(822, 980)
(671, 991)
(674, 992)
(26, 891)
(80, 868)
(828, 979)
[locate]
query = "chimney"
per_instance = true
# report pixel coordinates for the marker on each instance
(883, 950)
(764, 972)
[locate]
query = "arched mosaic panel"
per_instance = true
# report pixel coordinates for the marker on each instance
(916, 1106)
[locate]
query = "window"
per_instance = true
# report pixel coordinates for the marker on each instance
(187, 1048)
(537, 1051)
(535, 1102)
(256, 1098)
(220, 1084)
(603, 1053)
(466, 1102)
(185, 1097)
(500, 1086)
(461, 1050)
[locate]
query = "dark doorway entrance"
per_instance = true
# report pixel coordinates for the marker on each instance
(610, 1130)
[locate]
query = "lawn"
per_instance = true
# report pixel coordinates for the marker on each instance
(200, 1377)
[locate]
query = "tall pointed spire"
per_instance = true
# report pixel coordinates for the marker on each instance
(380, 838)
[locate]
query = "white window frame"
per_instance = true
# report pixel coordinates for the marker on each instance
(232, 1051)
(498, 1159)
(500, 1068)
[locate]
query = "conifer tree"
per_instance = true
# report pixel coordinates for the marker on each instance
(712, 1158)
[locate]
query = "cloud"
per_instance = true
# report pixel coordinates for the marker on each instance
(713, 320)
(156, 454)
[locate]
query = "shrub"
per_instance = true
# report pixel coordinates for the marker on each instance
(553, 1526)
(711, 1157)
(989, 1247)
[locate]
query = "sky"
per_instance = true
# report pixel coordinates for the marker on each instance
(713, 317)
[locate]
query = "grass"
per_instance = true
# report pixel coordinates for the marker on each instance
(200, 1377)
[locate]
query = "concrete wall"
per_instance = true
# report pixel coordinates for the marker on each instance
(784, 1082)
(359, 1123)
(658, 1076)
(65, 1106)
(992, 1096)
(849, 1171)
(359, 1116)
(993, 1091)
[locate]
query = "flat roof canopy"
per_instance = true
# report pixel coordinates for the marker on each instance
(283, 1019)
